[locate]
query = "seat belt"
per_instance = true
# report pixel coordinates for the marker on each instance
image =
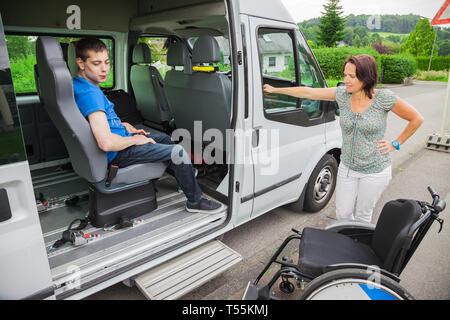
(73, 235)
(112, 172)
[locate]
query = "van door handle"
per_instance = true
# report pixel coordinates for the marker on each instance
(255, 136)
(5, 209)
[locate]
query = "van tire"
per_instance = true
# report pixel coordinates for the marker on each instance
(321, 184)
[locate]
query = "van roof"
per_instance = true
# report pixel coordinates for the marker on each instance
(271, 9)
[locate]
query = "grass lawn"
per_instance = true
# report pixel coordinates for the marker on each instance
(431, 75)
(387, 34)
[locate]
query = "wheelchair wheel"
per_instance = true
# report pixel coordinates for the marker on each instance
(354, 284)
(286, 287)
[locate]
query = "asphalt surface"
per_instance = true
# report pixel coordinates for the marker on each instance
(427, 275)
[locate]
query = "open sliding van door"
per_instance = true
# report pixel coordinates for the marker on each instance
(24, 267)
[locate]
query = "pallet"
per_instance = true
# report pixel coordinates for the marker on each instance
(438, 142)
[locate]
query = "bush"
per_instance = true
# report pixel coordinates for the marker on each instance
(432, 75)
(331, 60)
(397, 67)
(22, 71)
(437, 63)
(381, 49)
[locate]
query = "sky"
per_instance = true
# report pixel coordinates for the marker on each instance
(302, 10)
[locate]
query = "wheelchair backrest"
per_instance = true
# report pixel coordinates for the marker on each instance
(391, 238)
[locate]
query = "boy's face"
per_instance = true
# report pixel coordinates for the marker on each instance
(96, 67)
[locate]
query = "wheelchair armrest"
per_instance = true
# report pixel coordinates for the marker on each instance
(370, 269)
(360, 231)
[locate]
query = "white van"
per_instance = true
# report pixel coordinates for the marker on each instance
(276, 150)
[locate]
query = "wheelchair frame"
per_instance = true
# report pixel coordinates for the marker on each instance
(430, 213)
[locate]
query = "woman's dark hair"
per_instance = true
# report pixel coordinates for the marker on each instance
(366, 71)
(83, 45)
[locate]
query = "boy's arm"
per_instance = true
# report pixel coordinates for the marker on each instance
(108, 141)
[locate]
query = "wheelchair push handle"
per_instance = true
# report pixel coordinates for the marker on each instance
(432, 192)
(439, 205)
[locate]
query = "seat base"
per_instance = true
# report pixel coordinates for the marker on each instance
(107, 209)
(322, 248)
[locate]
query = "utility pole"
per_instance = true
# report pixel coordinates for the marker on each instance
(432, 50)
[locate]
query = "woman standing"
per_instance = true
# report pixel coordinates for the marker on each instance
(365, 168)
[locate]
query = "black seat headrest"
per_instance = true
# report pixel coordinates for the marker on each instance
(206, 50)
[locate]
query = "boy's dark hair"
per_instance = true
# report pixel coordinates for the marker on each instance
(366, 71)
(83, 45)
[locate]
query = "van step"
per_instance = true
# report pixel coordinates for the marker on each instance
(183, 274)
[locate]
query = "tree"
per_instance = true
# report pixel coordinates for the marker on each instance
(361, 31)
(331, 24)
(365, 41)
(444, 48)
(375, 37)
(420, 40)
(357, 41)
(349, 35)
(19, 47)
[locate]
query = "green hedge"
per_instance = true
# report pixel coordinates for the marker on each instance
(397, 67)
(331, 60)
(437, 63)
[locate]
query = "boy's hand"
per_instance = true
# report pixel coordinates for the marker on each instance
(133, 130)
(141, 139)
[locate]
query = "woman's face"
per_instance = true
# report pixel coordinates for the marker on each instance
(352, 83)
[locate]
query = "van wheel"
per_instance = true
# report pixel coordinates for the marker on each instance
(321, 184)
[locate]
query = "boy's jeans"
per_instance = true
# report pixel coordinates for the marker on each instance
(164, 150)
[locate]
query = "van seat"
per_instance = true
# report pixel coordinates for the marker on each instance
(88, 160)
(199, 96)
(148, 88)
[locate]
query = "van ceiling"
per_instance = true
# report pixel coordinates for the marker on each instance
(182, 18)
(154, 6)
(116, 15)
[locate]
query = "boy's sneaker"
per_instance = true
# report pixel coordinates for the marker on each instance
(204, 206)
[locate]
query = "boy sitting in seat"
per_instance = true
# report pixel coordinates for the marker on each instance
(124, 144)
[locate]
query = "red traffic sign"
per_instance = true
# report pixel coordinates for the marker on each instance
(443, 15)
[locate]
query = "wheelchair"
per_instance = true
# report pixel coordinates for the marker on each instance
(354, 260)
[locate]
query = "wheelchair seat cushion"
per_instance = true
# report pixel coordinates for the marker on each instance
(321, 248)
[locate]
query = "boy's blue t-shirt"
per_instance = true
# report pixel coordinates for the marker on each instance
(90, 98)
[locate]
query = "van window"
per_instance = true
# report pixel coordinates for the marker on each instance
(22, 56)
(158, 48)
(277, 61)
(309, 71)
(279, 68)
(11, 140)
(309, 76)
